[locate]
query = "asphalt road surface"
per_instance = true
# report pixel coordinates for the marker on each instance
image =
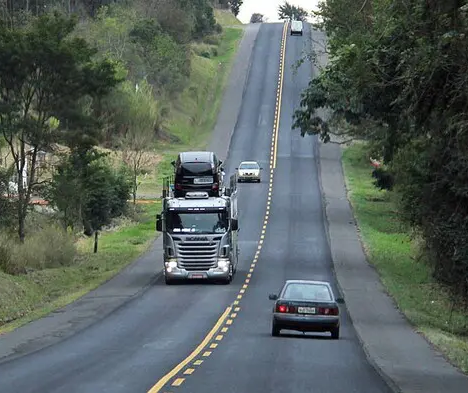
(134, 347)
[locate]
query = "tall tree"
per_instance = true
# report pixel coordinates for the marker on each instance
(141, 120)
(289, 11)
(256, 18)
(235, 6)
(44, 74)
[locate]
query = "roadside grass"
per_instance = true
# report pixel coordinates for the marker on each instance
(226, 18)
(27, 297)
(193, 115)
(397, 258)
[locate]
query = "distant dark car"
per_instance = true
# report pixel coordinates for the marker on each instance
(306, 306)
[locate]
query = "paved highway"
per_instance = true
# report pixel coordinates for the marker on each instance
(140, 347)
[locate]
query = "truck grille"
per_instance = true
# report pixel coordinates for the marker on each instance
(197, 255)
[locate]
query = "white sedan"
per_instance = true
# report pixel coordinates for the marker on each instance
(249, 171)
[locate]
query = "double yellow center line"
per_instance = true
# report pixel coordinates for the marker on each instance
(188, 366)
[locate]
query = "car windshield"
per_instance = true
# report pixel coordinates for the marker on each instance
(249, 166)
(188, 222)
(302, 291)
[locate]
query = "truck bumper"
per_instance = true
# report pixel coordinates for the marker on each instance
(176, 273)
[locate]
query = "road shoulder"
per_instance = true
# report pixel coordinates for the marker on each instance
(403, 357)
(145, 271)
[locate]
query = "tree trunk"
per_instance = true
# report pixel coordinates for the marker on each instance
(135, 181)
(96, 235)
(21, 220)
(20, 165)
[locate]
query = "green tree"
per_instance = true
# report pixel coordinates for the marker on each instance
(88, 192)
(44, 74)
(107, 192)
(141, 118)
(397, 78)
(289, 11)
(256, 18)
(235, 6)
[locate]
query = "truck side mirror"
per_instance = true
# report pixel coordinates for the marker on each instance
(158, 223)
(173, 163)
(220, 162)
(234, 224)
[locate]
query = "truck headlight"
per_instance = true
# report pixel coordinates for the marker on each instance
(224, 265)
(171, 265)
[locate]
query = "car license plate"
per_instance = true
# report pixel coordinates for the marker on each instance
(306, 310)
(203, 180)
(197, 276)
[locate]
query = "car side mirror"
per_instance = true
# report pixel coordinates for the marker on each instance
(220, 162)
(273, 297)
(340, 300)
(237, 169)
(261, 168)
(158, 223)
(173, 163)
(234, 224)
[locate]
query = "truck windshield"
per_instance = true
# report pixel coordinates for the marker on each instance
(197, 222)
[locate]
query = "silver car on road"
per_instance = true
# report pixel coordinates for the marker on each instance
(249, 171)
(306, 306)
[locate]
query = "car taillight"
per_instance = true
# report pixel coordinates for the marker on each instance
(328, 311)
(215, 186)
(281, 308)
(285, 309)
(178, 186)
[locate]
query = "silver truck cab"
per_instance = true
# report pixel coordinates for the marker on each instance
(199, 236)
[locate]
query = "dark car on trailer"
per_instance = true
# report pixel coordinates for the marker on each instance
(306, 306)
(197, 171)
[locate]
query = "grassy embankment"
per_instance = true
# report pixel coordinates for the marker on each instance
(27, 297)
(396, 257)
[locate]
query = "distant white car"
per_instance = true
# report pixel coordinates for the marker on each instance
(296, 27)
(249, 171)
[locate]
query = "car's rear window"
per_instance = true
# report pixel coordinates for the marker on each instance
(298, 291)
(196, 168)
